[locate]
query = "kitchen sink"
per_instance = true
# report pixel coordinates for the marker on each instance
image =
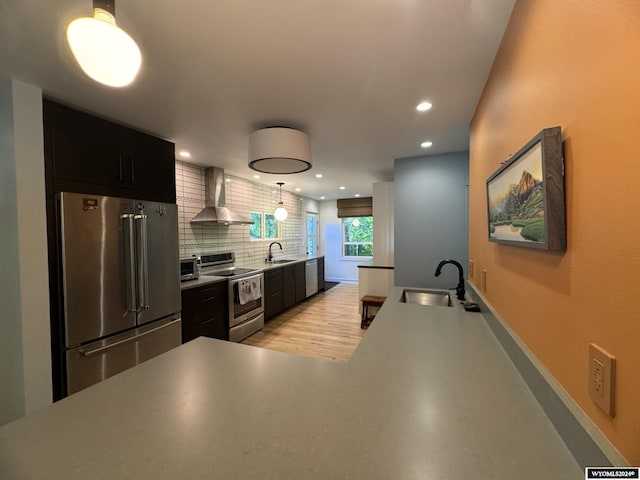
(283, 260)
(426, 297)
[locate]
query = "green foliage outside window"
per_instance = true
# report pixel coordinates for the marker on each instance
(255, 230)
(265, 226)
(312, 233)
(357, 239)
(270, 226)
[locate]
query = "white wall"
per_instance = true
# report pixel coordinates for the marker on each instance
(25, 356)
(336, 269)
(383, 224)
(309, 205)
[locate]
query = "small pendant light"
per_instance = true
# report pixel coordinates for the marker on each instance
(105, 52)
(281, 212)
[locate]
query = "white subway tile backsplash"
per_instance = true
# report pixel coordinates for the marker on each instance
(242, 196)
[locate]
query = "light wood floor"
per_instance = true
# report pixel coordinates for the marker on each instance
(325, 326)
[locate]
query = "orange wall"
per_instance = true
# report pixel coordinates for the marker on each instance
(576, 64)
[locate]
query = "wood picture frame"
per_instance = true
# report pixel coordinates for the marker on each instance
(525, 196)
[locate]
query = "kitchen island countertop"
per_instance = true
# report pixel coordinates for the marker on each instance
(429, 393)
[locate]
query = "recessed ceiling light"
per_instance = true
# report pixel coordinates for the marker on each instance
(426, 144)
(357, 195)
(423, 106)
(256, 176)
(321, 198)
(184, 154)
(342, 187)
(318, 175)
(298, 189)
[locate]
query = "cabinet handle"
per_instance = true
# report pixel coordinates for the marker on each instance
(133, 171)
(135, 338)
(120, 159)
(209, 291)
(208, 299)
(209, 320)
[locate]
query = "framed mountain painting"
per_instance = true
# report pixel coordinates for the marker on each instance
(525, 196)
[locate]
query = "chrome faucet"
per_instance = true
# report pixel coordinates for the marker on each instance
(270, 257)
(460, 288)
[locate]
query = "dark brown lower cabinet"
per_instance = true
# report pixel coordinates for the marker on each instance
(286, 286)
(289, 286)
(320, 274)
(273, 300)
(301, 282)
(205, 312)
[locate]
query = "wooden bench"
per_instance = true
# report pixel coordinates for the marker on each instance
(369, 301)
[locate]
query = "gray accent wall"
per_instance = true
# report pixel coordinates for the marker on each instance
(431, 217)
(11, 375)
(25, 355)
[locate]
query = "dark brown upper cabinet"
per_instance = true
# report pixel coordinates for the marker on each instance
(88, 154)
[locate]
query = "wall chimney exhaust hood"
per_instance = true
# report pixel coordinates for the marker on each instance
(215, 211)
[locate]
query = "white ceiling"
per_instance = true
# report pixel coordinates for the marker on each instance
(347, 72)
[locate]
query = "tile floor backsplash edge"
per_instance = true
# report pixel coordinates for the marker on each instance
(585, 441)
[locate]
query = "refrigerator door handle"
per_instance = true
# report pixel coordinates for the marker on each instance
(129, 268)
(89, 353)
(142, 261)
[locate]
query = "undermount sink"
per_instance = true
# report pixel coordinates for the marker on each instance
(282, 260)
(426, 297)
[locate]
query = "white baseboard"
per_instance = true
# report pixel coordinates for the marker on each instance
(348, 281)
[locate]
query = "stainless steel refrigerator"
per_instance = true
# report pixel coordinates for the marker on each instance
(121, 284)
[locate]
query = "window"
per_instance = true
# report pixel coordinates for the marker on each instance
(357, 236)
(270, 226)
(312, 233)
(265, 226)
(255, 230)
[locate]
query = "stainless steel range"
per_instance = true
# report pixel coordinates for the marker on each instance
(246, 289)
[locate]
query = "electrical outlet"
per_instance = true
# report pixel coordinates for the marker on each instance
(484, 281)
(470, 268)
(602, 367)
(597, 377)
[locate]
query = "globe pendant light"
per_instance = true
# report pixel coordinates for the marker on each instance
(281, 212)
(105, 52)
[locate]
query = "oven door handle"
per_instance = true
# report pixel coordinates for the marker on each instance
(237, 280)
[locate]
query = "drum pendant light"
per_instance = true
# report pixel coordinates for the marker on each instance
(105, 52)
(281, 212)
(279, 150)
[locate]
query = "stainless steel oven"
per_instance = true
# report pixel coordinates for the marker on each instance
(246, 314)
(245, 318)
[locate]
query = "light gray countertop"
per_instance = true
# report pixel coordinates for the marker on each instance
(428, 394)
(262, 266)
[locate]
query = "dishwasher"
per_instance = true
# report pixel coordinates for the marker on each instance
(311, 276)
